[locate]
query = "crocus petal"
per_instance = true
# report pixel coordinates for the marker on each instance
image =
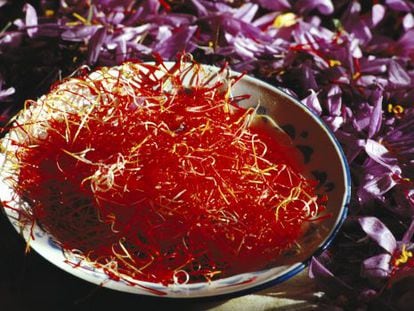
(326, 279)
(376, 117)
(377, 266)
(397, 75)
(178, 42)
(121, 50)
(333, 122)
(31, 19)
(324, 6)
(362, 117)
(398, 5)
(380, 154)
(202, 11)
(312, 102)
(95, 45)
(374, 65)
(78, 34)
(274, 5)
(6, 93)
(378, 13)
(405, 45)
(246, 12)
(408, 21)
(408, 235)
(376, 186)
(378, 232)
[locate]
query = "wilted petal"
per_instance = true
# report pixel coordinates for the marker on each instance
(378, 232)
(377, 266)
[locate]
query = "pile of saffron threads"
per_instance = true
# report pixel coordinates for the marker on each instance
(156, 180)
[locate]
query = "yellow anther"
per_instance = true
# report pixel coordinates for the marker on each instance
(81, 18)
(285, 20)
(395, 109)
(356, 75)
(49, 13)
(334, 62)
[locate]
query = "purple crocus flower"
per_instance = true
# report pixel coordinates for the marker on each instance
(397, 253)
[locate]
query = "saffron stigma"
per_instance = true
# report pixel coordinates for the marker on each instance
(157, 180)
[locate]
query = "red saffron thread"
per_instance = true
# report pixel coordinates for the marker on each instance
(158, 181)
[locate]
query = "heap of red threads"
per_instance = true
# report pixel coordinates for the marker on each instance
(158, 181)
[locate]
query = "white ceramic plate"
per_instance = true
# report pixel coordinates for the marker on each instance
(323, 159)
